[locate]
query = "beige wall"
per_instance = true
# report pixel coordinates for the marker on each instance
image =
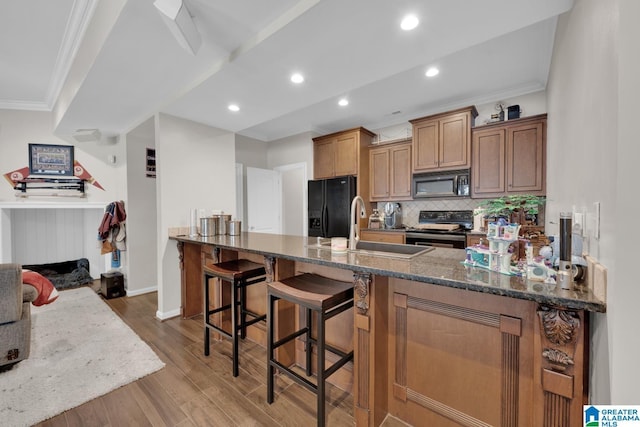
(592, 157)
(142, 245)
(19, 128)
(196, 169)
(530, 105)
(290, 150)
(249, 153)
(624, 290)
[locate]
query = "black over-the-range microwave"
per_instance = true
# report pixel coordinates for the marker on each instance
(441, 184)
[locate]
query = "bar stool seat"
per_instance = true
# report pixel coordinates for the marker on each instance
(326, 297)
(239, 274)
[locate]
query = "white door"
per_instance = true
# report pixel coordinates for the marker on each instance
(264, 205)
(294, 198)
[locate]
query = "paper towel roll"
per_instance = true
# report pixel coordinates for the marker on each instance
(193, 222)
(478, 219)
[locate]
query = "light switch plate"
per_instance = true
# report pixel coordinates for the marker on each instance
(578, 220)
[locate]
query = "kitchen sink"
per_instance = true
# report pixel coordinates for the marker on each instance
(394, 250)
(391, 250)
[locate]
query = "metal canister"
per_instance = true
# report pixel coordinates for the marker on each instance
(208, 226)
(222, 223)
(234, 228)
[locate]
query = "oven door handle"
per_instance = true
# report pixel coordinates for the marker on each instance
(425, 236)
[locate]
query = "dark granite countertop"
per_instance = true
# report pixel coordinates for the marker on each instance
(440, 266)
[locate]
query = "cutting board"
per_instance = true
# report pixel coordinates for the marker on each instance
(444, 227)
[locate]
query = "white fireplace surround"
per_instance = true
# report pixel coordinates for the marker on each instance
(40, 232)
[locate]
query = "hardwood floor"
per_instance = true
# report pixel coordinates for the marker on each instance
(194, 390)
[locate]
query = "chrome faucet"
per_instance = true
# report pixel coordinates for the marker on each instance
(354, 229)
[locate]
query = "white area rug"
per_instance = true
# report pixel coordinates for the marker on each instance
(80, 349)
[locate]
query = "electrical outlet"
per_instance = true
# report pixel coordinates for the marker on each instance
(600, 282)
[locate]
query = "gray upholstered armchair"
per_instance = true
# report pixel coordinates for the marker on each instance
(15, 316)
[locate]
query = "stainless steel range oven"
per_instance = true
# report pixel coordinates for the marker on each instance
(445, 229)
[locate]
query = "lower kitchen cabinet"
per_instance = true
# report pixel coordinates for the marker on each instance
(383, 236)
(509, 158)
(475, 238)
(467, 358)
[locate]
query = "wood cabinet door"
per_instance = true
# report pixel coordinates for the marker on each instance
(525, 158)
(379, 173)
(488, 164)
(323, 159)
(383, 236)
(474, 239)
(400, 172)
(346, 154)
(425, 145)
(454, 142)
(457, 360)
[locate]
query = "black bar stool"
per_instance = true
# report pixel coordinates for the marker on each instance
(318, 294)
(240, 274)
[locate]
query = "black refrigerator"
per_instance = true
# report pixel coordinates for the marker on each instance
(329, 206)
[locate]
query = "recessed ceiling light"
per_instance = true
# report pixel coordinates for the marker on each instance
(343, 102)
(297, 78)
(431, 72)
(233, 107)
(409, 22)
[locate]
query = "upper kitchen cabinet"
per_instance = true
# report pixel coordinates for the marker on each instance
(509, 158)
(341, 153)
(443, 141)
(390, 172)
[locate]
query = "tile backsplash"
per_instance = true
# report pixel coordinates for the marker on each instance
(411, 209)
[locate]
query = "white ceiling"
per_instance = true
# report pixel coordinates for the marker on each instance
(486, 51)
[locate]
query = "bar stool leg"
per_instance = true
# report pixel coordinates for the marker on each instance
(206, 315)
(320, 376)
(243, 302)
(270, 350)
(308, 348)
(234, 328)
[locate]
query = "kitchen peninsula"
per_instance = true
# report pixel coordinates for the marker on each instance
(436, 342)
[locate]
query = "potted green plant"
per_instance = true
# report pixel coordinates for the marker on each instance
(514, 208)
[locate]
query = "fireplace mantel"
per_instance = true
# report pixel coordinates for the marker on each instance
(53, 204)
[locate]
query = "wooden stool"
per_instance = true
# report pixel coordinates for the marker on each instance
(240, 274)
(327, 298)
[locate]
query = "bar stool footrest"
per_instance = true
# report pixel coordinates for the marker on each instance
(294, 376)
(218, 329)
(289, 337)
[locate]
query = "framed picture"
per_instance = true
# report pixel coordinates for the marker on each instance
(151, 162)
(47, 159)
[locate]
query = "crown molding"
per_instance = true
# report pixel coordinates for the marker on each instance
(8, 104)
(79, 18)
